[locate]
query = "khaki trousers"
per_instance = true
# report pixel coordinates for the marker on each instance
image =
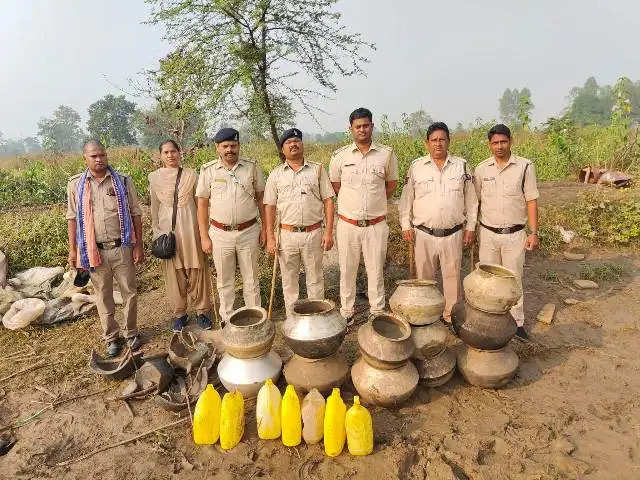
(371, 241)
(444, 253)
(187, 286)
(227, 247)
(506, 250)
(116, 263)
(294, 248)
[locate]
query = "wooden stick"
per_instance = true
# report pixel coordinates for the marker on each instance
(24, 370)
(273, 283)
(412, 260)
(129, 409)
(140, 393)
(124, 442)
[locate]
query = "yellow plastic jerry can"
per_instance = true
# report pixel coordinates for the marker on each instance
(291, 418)
(206, 417)
(334, 432)
(359, 427)
(231, 420)
(268, 411)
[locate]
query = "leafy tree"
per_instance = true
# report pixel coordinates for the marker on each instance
(156, 125)
(417, 123)
(591, 104)
(31, 144)
(111, 120)
(250, 54)
(62, 133)
(516, 106)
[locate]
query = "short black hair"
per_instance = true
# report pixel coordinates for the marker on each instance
(93, 142)
(172, 142)
(438, 126)
(499, 129)
(360, 113)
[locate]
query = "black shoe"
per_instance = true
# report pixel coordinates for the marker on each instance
(180, 323)
(203, 322)
(521, 333)
(113, 348)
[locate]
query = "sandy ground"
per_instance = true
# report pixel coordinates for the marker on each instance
(571, 412)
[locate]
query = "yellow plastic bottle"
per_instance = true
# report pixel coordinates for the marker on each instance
(268, 411)
(206, 417)
(231, 420)
(359, 427)
(313, 407)
(291, 418)
(334, 432)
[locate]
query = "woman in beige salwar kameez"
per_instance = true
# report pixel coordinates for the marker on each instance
(187, 273)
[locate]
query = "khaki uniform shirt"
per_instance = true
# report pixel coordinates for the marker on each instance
(504, 193)
(299, 196)
(231, 192)
(363, 178)
(104, 204)
(438, 198)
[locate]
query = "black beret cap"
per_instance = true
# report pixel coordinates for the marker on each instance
(226, 134)
(82, 278)
(291, 133)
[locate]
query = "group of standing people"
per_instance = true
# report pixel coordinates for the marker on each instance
(216, 213)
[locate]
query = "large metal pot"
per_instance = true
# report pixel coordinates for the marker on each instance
(387, 388)
(315, 328)
(247, 375)
(488, 368)
(491, 288)
(437, 370)
(486, 331)
(429, 340)
(323, 374)
(248, 333)
(418, 301)
(385, 341)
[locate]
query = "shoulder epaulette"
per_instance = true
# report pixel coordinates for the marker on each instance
(208, 164)
(77, 175)
(340, 150)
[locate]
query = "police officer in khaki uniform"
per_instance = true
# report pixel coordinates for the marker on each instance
(507, 190)
(118, 248)
(364, 175)
(302, 195)
(438, 212)
(230, 192)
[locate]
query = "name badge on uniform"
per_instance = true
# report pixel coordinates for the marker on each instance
(489, 178)
(221, 180)
(111, 192)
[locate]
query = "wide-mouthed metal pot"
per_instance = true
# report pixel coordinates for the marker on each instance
(486, 331)
(387, 388)
(323, 374)
(248, 333)
(247, 375)
(418, 301)
(437, 370)
(315, 328)
(487, 368)
(429, 340)
(491, 288)
(385, 341)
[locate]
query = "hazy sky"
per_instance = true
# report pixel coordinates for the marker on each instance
(453, 58)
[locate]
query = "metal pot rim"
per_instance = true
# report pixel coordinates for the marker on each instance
(414, 282)
(263, 317)
(330, 304)
(496, 270)
(399, 321)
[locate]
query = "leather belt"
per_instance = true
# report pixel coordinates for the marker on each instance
(362, 223)
(300, 228)
(439, 232)
(110, 244)
(232, 228)
(511, 229)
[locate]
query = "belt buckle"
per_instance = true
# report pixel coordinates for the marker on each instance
(505, 230)
(438, 232)
(362, 223)
(109, 245)
(298, 228)
(231, 228)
